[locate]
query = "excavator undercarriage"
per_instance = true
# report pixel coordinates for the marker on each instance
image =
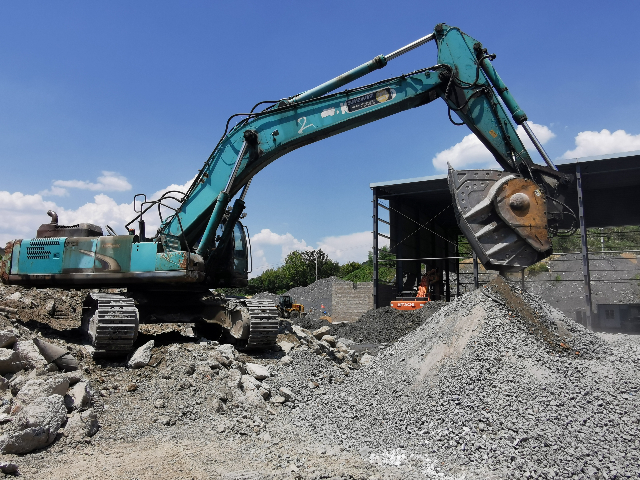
(112, 320)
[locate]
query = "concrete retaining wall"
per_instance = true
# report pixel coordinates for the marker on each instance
(351, 300)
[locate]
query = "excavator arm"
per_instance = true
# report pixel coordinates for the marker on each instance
(503, 214)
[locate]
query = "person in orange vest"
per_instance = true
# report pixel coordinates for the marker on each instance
(427, 279)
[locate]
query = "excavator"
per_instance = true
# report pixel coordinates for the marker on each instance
(201, 244)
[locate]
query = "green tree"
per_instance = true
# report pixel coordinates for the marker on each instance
(611, 238)
(348, 268)
(300, 267)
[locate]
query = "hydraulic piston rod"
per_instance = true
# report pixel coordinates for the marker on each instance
(411, 46)
(518, 114)
(379, 62)
(538, 145)
(221, 205)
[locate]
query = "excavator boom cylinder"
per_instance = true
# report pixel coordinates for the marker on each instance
(377, 63)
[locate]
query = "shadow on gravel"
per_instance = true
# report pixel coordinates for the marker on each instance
(162, 339)
(71, 335)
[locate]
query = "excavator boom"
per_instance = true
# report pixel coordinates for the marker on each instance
(464, 78)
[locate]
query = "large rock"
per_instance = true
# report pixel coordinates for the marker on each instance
(29, 354)
(7, 339)
(321, 332)
(42, 387)
(234, 379)
(286, 393)
(249, 383)
(73, 377)
(257, 371)
(366, 359)
(286, 346)
(78, 397)
(82, 425)
(330, 339)
(36, 426)
(10, 361)
(19, 379)
(221, 359)
(15, 296)
(142, 355)
(50, 307)
(299, 331)
(227, 350)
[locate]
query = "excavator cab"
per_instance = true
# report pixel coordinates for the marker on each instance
(241, 251)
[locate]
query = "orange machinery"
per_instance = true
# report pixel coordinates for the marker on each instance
(423, 296)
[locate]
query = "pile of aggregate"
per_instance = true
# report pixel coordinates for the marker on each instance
(384, 325)
(314, 297)
(497, 384)
(267, 296)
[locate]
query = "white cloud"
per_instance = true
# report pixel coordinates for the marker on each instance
(353, 247)
(21, 214)
(599, 143)
(471, 152)
(55, 191)
(269, 249)
(108, 182)
(287, 242)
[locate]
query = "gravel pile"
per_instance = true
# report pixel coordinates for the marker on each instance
(385, 325)
(613, 281)
(314, 296)
(267, 295)
(495, 385)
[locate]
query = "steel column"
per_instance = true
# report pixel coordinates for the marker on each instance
(476, 279)
(585, 248)
(375, 248)
(457, 267)
(446, 272)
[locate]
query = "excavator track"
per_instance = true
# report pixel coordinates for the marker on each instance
(264, 323)
(112, 323)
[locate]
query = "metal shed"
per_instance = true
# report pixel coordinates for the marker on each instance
(423, 233)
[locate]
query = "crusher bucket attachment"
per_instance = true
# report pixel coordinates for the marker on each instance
(503, 216)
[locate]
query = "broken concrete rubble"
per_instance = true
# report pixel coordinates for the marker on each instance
(257, 371)
(79, 396)
(42, 387)
(11, 361)
(329, 340)
(28, 353)
(380, 413)
(141, 356)
(7, 339)
(321, 332)
(81, 425)
(36, 426)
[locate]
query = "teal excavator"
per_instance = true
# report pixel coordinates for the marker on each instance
(508, 216)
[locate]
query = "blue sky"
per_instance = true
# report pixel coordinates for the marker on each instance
(99, 101)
